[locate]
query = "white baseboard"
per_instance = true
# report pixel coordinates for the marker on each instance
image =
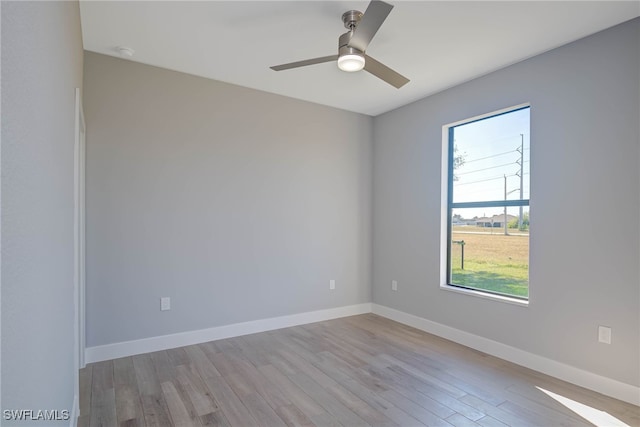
(164, 342)
(598, 383)
(595, 382)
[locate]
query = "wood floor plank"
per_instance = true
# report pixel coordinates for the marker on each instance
(196, 391)
(401, 417)
(340, 371)
(541, 417)
(259, 383)
(146, 375)
(459, 420)
(413, 409)
(369, 414)
(353, 402)
(426, 402)
(128, 405)
(178, 356)
(224, 346)
(360, 384)
(103, 397)
(151, 370)
(373, 399)
(293, 417)
(252, 348)
(420, 373)
(332, 405)
(341, 347)
(499, 414)
(359, 370)
(294, 393)
(527, 397)
(222, 362)
(245, 379)
(426, 396)
(85, 389)
(179, 413)
(261, 411)
(232, 407)
(336, 383)
(199, 359)
(156, 413)
(433, 390)
(134, 422)
(102, 377)
(215, 419)
(103, 408)
(162, 366)
(124, 372)
(489, 421)
(84, 420)
(325, 420)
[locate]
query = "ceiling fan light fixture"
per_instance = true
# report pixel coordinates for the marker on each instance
(351, 62)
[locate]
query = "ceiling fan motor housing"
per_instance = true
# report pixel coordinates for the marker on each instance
(350, 59)
(343, 45)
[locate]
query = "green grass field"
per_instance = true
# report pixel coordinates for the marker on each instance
(492, 262)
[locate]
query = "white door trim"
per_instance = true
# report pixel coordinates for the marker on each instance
(79, 241)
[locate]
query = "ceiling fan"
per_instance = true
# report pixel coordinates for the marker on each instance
(353, 44)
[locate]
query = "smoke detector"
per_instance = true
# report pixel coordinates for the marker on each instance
(125, 52)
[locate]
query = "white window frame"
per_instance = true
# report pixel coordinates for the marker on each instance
(445, 214)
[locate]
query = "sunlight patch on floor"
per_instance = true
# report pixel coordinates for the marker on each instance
(593, 415)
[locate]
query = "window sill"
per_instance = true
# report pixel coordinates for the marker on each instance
(485, 295)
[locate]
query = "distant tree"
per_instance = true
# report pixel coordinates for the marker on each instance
(525, 222)
(457, 217)
(458, 161)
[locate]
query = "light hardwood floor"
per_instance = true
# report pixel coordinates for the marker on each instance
(356, 371)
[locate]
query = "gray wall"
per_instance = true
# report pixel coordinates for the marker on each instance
(584, 247)
(237, 204)
(41, 67)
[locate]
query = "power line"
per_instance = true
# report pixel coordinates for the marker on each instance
(489, 157)
(484, 169)
(485, 180)
(481, 180)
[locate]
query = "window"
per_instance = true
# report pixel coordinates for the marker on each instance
(487, 204)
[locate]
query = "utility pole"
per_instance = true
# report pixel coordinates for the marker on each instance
(521, 150)
(505, 208)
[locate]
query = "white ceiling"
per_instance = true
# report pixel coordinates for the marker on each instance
(436, 44)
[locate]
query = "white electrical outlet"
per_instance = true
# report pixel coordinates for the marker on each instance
(165, 303)
(332, 284)
(604, 334)
(394, 285)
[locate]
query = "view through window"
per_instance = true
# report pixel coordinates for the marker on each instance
(488, 204)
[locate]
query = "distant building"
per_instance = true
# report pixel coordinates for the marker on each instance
(496, 221)
(459, 221)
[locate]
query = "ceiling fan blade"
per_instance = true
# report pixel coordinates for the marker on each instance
(385, 73)
(373, 17)
(304, 63)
